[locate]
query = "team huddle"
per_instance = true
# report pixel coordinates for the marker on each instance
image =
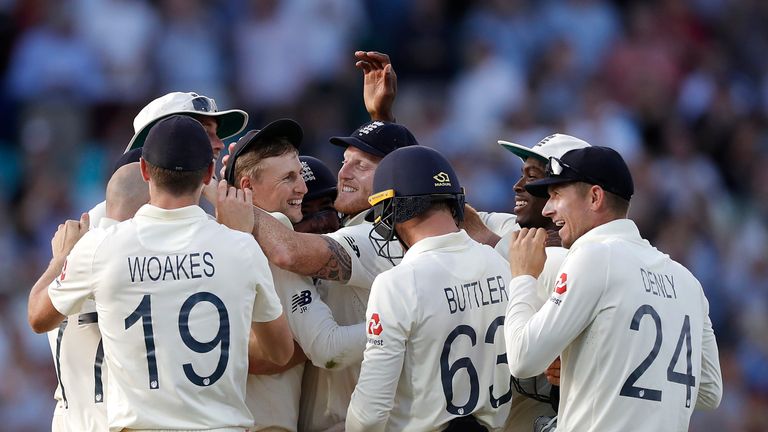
(374, 300)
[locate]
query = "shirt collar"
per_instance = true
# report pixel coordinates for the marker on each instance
(356, 219)
(106, 222)
(188, 212)
(621, 229)
(450, 241)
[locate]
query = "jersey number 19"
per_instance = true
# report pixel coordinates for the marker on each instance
(143, 312)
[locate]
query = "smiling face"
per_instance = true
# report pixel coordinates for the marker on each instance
(528, 208)
(278, 185)
(355, 181)
(571, 208)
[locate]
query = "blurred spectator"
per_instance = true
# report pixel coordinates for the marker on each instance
(53, 62)
(121, 32)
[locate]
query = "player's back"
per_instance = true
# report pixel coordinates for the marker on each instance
(639, 361)
(78, 358)
(175, 301)
(454, 364)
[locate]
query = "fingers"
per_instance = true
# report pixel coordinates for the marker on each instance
(85, 222)
(248, 195)
(365, 66)
(375, 59)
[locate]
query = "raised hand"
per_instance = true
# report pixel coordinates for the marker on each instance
(379, 84)
(68, 234)
(526, 252)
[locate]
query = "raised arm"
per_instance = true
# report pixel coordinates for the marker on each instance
(312, 255)
(379, 84)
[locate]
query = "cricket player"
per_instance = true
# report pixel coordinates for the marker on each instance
(538, 394)
(632, 324)
(78, 353)
(219, 125)
(318, 214)
(267, 162)
(176, 295)
(435, 352)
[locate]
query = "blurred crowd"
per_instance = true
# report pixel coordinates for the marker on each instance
(678, 87)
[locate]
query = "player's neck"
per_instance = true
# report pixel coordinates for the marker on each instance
(431, 224)
(169, 201)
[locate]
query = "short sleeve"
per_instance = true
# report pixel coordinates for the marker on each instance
(75, 284)
(267, 305)
(366, 262)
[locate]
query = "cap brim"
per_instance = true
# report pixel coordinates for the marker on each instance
(231, 122)
(357, 143)
(282, 127)
(540, 188)
(521, 151)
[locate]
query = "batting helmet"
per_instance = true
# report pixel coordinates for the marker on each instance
(408, 181)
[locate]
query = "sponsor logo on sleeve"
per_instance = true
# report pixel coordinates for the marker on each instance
(374, 330)
(300, 301)
(561, 286)
(63, 271)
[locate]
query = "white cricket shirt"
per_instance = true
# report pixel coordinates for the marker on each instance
(524, 410)
(78, 358)
(634, 331)
(435, 346)
(175, 295)
(326, 393)
(274, 399)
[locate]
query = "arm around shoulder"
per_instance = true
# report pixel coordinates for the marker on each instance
(302, 253)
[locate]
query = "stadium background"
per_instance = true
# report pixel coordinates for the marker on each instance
(679, 87)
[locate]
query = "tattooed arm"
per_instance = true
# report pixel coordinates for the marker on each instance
(312, 255)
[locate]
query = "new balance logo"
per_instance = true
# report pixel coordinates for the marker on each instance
(352, 244)
(301, 301)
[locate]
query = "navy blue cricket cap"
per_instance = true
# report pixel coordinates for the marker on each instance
(319, 179)
(287, 128)
(378, 138)
(601, 166)
(178, 143)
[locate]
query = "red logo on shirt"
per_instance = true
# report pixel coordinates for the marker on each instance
(63, 271)
(560, 286)
(374, 326)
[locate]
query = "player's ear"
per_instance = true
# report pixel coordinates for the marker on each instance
(144, 170)
(245, 182)
(209, 173)
(596, 197)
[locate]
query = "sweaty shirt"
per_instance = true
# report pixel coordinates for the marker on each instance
(634, 331)
(175, 296)
(435, 346)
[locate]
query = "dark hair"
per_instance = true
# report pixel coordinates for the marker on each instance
(176, 182)
(250, 162)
